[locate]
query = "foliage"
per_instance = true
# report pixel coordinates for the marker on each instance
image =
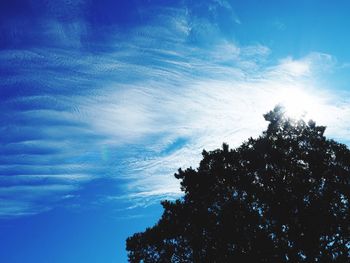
(283, 197)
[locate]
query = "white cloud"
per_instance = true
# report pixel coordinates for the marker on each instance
(210, 109)
(148, 91)
(294, 67)
(11, 208)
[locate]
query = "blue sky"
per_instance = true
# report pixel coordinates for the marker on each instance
(102, 101)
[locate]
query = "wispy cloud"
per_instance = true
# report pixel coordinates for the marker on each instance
(142, 105)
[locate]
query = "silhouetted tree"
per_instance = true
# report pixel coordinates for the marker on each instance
(283, 197)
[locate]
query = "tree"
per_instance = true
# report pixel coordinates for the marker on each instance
(283, 197)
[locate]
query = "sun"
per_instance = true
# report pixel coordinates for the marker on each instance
(299, 104)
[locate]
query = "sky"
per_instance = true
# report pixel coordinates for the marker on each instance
(102, 101)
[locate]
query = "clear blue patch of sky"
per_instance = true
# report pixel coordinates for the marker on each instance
(73, 234)
(296, 27)
(175, 145)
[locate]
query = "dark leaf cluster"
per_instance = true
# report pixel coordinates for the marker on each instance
(283, 197)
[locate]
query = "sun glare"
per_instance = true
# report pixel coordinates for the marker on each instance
(300, 104)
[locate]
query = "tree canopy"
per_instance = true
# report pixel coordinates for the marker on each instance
(282, 197)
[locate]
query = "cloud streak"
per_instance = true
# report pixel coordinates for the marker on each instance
(142, 105)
